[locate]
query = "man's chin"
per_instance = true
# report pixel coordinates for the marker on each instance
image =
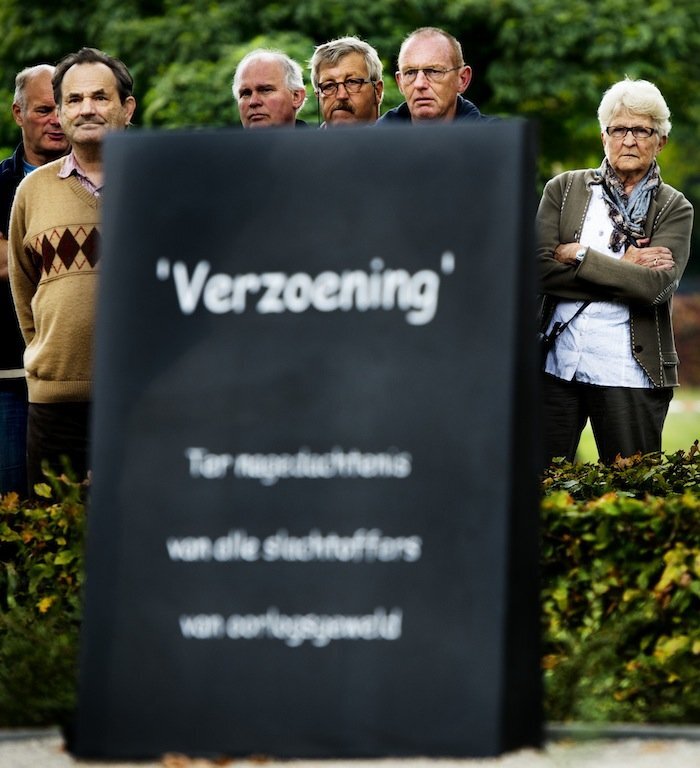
(342, 116)
(89, 133)
(54, 147)
(424, 108)
(261, 121)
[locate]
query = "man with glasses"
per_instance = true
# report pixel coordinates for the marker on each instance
(432, 76)
(346, 75)
(269, 89)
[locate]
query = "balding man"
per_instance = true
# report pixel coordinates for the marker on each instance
(34, 111)
(432, 77)
(269, 89)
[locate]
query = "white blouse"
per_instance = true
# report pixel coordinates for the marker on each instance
(595, 348)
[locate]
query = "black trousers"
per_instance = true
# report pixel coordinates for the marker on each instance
(624, 420)
(56, 430)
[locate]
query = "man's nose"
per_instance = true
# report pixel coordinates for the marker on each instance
(87, 107)
(344, 94)
(421, 80)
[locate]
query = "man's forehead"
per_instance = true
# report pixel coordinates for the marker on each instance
(262, 72)
(88, 76)
(426, 50)
(39, 87)
(352, 62)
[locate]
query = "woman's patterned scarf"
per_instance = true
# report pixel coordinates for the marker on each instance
(628, 214)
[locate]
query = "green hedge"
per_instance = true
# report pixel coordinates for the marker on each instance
(621, 590)
(620, 594)
(41, 575)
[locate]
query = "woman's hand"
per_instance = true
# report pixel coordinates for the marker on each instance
(653, 257)
(565, 253)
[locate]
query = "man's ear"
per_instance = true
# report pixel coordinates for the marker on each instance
(378, 91)
(17, 114)
(298, 97)
(129, 108)
(465, 77)
(397, 76)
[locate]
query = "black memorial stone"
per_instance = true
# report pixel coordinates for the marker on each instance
(313, 524)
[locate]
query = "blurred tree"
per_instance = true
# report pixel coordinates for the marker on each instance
(557, 59)
(541, 59)
(199, 93)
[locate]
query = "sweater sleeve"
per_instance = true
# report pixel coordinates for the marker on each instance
(24, 273)
(598, 277)
(640, 285)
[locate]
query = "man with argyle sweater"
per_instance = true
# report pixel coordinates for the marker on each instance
(53, 260)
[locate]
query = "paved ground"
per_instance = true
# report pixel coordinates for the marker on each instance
(562, 750)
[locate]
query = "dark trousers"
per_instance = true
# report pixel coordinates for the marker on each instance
(13, 436)
(624, 420)
(57, 431)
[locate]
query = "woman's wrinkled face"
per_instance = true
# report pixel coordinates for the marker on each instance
(630, 156)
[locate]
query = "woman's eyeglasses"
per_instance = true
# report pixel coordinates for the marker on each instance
(638, 131)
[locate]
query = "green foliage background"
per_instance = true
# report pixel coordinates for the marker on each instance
(542, 59)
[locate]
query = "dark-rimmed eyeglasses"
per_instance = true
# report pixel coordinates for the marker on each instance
(638, 131)
(432, 74)
(351, 85)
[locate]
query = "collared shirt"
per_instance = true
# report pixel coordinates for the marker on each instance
(595, 348)
(71, 166)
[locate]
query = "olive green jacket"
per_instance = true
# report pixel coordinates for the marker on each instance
(648, 292)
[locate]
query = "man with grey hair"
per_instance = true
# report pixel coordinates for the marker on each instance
(269, 89)
(34, 111)
(54, 260)
(432, 77)
(346, 75)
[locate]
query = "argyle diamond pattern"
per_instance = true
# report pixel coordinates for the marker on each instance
(72, 248)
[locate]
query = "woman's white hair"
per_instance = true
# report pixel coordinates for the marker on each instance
(639, 97)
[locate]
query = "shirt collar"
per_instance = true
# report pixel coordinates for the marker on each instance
(72, 167)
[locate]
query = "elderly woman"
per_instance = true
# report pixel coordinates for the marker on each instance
(613, 243)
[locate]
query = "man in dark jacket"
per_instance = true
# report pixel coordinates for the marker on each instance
(432, 77)
(34, 111)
